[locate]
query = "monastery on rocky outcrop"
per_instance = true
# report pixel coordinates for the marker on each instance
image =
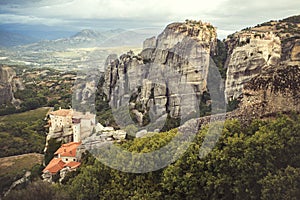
(73, 128)
(68, 126)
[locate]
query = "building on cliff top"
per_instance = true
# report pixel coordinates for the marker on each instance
(68, 126)
(74, 128)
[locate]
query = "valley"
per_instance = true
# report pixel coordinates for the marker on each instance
(85, 50)
(77, 59)
(231, 106)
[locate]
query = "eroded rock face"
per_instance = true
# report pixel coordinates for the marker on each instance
(295, 53)
(168, 75)
(253, 51)
(171, 72)
(149, 43)
(5, 93)
(274, 90)
(9, 83)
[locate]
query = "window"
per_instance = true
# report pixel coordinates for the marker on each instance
(74, 159)
(66, 159)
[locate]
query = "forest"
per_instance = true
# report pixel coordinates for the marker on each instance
(260, 160)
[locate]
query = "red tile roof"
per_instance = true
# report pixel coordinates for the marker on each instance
(68, 150)
(55, 165)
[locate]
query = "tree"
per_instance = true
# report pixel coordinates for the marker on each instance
(53, 145)
(284, 184)
(36, 191)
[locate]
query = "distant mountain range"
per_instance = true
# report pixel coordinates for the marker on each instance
(8, 39)
(39, 32)
(83, 39)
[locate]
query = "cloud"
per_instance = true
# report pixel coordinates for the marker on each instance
(227, 15)
(21, 19)
(115, 9)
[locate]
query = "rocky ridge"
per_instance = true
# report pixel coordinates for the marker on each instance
(262, 71)
(263, 68)
(254, 50)
(169, 73)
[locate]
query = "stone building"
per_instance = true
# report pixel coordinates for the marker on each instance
(69, 125)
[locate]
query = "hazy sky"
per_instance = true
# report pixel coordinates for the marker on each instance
(227, 15)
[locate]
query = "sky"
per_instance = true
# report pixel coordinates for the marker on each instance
(73, 15)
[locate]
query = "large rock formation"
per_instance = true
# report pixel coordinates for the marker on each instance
(254, 50)
(249, 56)
(274, 90)
(9, 83)
(171, 72)
(264, 68)
(167, 77)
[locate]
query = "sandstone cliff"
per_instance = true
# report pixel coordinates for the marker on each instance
(166, 77)
(171, 72)
(253, 50)
(263, 68)
(9, 83)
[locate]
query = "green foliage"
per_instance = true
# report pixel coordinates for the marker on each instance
(7, 109)
(293, 19)
(41, 89)
(170, 123)
(53, 145)
(13, 168)
(23, 133)
(257, 161)
(260, 160)
(220, 58)
(36, 191)
(205, 106)
(284, 184)
(131, 130)
(86, 184)
(232, 105)
(36, 172)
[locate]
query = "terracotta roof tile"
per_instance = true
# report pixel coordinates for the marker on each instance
(55, 165)
(68, 150)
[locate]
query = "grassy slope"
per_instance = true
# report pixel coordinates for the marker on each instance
(28, 116)
(23, 132)
(12, 142)
(13, 168)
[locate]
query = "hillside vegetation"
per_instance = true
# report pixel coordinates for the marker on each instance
(23, 132)
(42, 87)
(12, 168)
(257, 161)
